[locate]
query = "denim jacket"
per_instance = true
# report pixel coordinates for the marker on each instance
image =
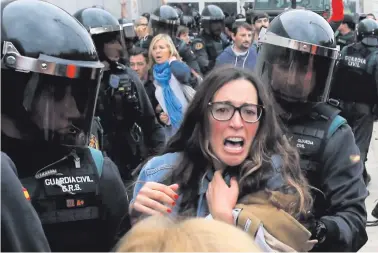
(158, 168)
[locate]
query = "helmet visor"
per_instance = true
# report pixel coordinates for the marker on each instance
(61, 108)
(129, 31)
(158, 27)
(295, 75)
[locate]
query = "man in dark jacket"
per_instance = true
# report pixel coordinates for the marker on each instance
(345, 31)
(299, 77)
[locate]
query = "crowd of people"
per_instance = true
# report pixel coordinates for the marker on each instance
(185, 131)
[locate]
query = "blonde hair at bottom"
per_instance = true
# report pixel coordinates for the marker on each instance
(161, 234)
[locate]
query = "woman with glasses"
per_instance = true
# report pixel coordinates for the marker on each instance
(228, 146)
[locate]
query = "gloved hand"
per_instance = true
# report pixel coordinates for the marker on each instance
(318, 230)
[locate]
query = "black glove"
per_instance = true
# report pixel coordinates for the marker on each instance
(318, 231)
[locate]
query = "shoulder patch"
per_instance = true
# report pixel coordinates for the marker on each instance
(93, 142)
(198, 46)
(26, 193)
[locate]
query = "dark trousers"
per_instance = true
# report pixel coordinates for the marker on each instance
(361, 120)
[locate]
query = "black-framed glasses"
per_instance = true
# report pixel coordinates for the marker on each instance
(223, 111)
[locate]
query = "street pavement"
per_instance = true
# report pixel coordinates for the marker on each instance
(371, 201)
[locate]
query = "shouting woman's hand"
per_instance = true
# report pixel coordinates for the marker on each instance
(221, 198)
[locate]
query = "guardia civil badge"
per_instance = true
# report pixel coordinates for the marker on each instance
(198, 46)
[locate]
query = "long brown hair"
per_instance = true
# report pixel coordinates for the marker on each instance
(193, 142)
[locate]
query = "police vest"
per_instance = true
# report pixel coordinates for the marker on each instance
(354, 79)
(66, 196)
(214, 48)
(310, 137)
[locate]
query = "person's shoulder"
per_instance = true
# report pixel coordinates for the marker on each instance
(276, 179)
(7, 163)
(198, 44)
(159, 165)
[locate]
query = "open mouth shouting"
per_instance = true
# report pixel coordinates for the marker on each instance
(234, 145)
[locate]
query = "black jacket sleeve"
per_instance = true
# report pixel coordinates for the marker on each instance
(190, 58)
(152, 130)
(345, 191)
(199, 50)
(115, 200)
(21, 228)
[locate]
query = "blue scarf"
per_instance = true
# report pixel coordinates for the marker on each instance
(162, 74)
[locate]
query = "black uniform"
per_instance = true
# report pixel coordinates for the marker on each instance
(300, 82)
(349, 38)
(131, 130)
(21, 228)
(345, 40)
(165, 19)
(355, 85)
(211, 42)
(46, 120)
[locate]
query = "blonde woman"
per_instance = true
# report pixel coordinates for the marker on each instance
(170, 74)
(161, 234)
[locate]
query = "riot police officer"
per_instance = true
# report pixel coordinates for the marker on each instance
(211, 41)
(165, 19)
(355, 84)
(129, 34)
(46, 120)
(296, 59)
(131, 130)
(197, 23)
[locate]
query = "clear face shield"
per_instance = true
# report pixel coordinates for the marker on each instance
(111, 42)
(159, 25)
(296, 71)
(128, 31)
(60, 96)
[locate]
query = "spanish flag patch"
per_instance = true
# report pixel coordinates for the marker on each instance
(354, 158)
(26, 193)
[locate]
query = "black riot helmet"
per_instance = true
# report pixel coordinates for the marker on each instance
(249, 15)
(212, 20)
(164, 20)
(105, 29)
(50, 74)
(367, 32)
(297, 56)
(129, 33)
(197, 19)
(187, 21)
(128, 28)
(240, 18)
(180, 13)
